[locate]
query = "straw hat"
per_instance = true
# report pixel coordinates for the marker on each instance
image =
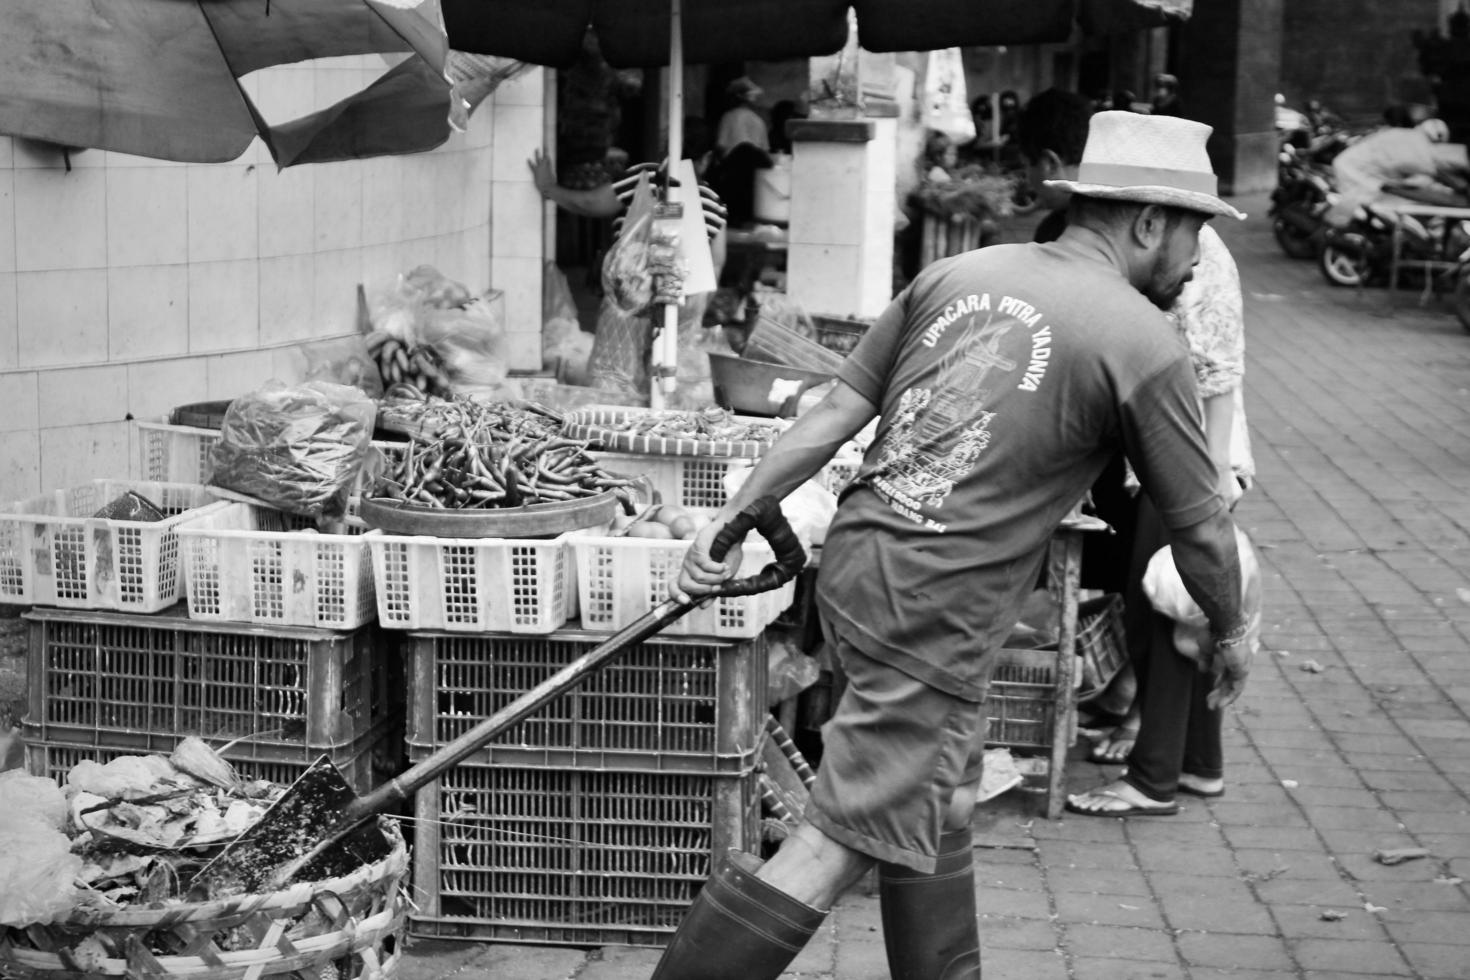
(1150, 159)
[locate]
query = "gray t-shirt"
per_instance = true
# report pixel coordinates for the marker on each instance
(1006, 377)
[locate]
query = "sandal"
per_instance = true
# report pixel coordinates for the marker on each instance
(1195, 786)
(1110, 802)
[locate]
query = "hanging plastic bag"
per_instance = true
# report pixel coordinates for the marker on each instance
(298, 448)
(946, 103)
(619, 360)
(1166, 593)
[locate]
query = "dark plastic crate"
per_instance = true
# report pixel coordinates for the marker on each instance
(574, 857)
(135, 682)
(677, 704)
(365, 764)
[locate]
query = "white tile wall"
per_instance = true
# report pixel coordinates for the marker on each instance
(224, 306)
(334, 298)
(20, 465)
(7, 212)
(232, 374)
(286, 300)
(825, 278)
(19, 395)
(80, 396)
(223, 217)
(75, 454)
(156, 387)
(133, 285)
(9, 324)
(147, 215)
(147, 311)
(62, 317)
(60, 219)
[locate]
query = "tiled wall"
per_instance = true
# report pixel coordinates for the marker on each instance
(130, 285)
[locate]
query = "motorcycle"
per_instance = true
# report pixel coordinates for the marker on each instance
(1361, 253)
(1299, 204)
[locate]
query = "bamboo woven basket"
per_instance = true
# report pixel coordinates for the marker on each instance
(346, 928)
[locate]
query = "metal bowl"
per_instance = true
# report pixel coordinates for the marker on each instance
(758, 387)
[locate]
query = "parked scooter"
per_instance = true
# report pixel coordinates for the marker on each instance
(1299, 204)
(1361, 253)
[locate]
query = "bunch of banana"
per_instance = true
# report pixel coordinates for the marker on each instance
(399, 363)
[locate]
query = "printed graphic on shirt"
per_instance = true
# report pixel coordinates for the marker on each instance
(938, 433)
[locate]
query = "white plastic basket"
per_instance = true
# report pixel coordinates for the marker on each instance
(54, 553)
(175, 453)
(182, 453)
(620, 579)
(691, 481)
(504, 585)
(247, 564)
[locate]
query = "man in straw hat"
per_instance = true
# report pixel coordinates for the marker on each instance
(1003, 379)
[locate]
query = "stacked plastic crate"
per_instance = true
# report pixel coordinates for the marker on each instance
(596, 820)
(223, 620)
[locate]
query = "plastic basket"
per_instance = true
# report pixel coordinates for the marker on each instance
(246, 564)
(177, 453)
(348, 928)
(141, 682)
(182, 453)
(54, 553)
(365, 763)
(840, 334)
(692, 481)
(838, 473)
(1021, 703)
(608, 428)
(503, 585)
(662, 705)
(1101, 644)
(573, 857)
(620, 579)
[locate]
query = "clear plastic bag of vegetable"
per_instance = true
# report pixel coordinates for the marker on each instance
(469, 341)
(298, 448)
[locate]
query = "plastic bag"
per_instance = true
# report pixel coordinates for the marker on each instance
(1166, 593)
(946, 103)
(35, 796)
(37, 867)
(789, 669)
(297, 448)
(469, 341)
(343, 361)
(562, 337)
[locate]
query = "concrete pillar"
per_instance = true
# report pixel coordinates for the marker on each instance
(1229, 59)
(844, 171)
(840, 240)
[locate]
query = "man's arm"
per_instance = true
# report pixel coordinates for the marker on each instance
(795, 457)
(1209, 565)
(595, 202)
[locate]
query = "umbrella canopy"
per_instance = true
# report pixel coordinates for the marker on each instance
(635, 33)
(161, 78)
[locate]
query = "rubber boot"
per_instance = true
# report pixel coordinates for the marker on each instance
(929, 924)
(739, 928)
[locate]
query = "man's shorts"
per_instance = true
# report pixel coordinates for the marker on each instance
(892, 755)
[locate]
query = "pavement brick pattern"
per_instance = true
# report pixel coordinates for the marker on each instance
(1350, 738)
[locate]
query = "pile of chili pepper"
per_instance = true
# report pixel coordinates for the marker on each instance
(468, 454)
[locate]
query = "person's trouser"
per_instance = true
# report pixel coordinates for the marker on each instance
(739, 928)
(929, 926)
(1177, 731)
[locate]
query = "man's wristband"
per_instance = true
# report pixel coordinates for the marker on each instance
(1232, 637)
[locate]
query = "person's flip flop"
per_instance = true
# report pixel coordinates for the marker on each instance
(1127, 810)
(1185, 788)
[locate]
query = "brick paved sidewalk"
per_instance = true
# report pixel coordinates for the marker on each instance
(1351, 737)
